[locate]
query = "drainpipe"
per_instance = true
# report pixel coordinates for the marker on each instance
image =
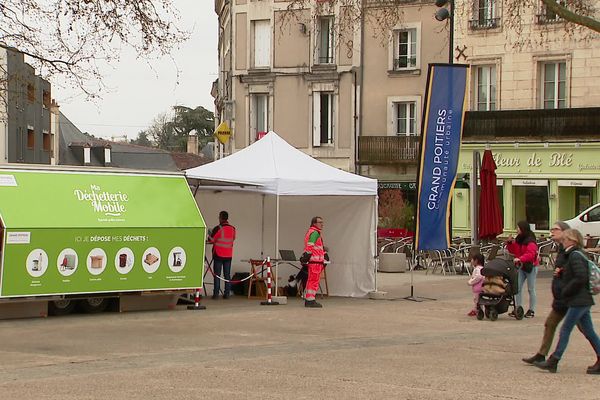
(358, 133)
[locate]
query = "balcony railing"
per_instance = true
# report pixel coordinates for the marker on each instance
(548, 18)
(388, 149)
(484, 23)
(567, 123)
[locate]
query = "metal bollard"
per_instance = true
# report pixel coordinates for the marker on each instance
(269, 301)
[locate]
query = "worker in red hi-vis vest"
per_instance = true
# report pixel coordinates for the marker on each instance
(222, 238)
(314, 255)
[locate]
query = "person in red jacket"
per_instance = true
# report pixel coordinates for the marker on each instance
(314, 256)
(222, 238)
(525, 250)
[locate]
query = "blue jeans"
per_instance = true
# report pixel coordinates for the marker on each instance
(225, 265)
(577, 316)
(530, 278)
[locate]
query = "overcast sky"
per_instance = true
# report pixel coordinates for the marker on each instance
(138, 92)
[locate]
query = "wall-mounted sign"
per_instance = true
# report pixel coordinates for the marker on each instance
(577, 182)
(530, 182)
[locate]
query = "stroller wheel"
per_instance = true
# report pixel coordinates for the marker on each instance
(519, 313)
(480, 314)
(493, 314)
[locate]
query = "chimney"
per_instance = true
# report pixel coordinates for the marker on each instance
(192, 142)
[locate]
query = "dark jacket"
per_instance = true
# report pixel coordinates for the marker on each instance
(558, 304)
(575, 280)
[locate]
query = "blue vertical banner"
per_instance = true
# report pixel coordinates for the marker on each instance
(443, 117)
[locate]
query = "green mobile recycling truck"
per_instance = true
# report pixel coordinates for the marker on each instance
(79, 235)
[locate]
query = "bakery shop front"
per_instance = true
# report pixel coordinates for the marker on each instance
(539, 182)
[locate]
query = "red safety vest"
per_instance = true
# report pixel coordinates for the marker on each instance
(317, 250)
(223, 241)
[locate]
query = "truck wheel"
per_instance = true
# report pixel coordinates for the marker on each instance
(94, 305)
(61, 307)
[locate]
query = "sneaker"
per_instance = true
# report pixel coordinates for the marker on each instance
(472, 313)
(511, 314)
(529, 314)
(215, 297)
(225, 296)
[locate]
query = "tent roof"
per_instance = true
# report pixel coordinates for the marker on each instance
(276, 167)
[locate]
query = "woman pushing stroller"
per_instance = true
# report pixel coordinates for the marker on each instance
(525, 249)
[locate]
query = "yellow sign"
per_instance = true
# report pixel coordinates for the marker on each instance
(223, 133)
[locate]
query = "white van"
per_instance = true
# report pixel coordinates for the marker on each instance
(588, 222)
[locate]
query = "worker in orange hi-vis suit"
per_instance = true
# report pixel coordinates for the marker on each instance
(314, 256)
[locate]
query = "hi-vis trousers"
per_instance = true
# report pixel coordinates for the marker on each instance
(312, 284)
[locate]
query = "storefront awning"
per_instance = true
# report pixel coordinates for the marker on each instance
(530, 182)
(577, 182)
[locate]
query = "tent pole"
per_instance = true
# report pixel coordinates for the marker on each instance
(277, 248)
(374, 248)
(262, 230)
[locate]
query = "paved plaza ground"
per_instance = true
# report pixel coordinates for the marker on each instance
(351, 349)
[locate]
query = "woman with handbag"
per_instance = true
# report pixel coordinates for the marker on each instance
(525, 250)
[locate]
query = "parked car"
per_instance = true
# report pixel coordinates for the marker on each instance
(588, 222)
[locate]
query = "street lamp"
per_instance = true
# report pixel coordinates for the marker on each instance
(443, 13)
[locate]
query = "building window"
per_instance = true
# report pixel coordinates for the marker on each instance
(261, 43)
(485, 15)
(405, 118)
(322, 118)
(554, 84)
(405, 49)
(325, 40)
(547, 16)
(46, 141)
(30, 92)
(30, 138)
(46, 99)
(259, 114)
(485, 88)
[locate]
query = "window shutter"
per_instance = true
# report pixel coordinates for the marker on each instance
(316, 119)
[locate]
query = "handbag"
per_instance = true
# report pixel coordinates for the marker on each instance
(527, 267)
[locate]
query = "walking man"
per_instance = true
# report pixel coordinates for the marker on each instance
(222, 238)
(314, 256)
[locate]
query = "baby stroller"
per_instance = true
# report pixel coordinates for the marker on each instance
(499, 289)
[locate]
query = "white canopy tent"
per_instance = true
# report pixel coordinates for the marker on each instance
(287, 188)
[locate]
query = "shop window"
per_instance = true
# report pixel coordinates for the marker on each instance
(30, 138)
(583, 199)
(532, 205)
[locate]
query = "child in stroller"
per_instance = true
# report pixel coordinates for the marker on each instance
(499, 289)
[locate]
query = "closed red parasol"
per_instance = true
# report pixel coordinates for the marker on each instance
(491, 223)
